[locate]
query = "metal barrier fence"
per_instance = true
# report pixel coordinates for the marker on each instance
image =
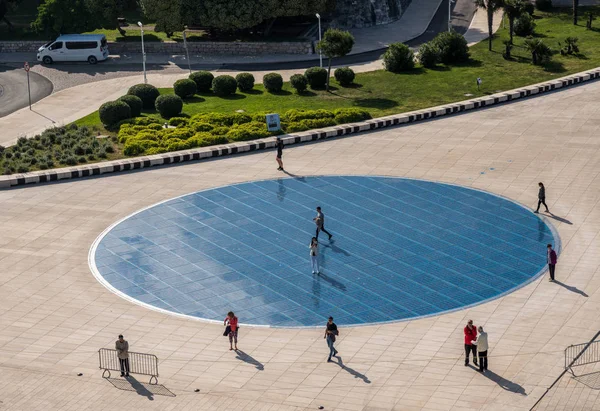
(581, 354)
(139, 363)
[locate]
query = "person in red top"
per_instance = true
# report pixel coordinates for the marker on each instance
(232, 321)
(470, 336)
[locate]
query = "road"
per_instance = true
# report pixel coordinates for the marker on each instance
(13, 89)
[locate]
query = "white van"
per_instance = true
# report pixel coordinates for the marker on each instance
(75, 47)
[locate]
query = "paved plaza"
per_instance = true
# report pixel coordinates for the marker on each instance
(55, 315)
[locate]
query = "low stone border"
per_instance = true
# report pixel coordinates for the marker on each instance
(296, 138)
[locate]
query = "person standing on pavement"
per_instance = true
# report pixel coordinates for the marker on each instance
(122, 347)
(314, 255)
(482, 348)
(541, 198)
(470, 336)
(279, 157)
(232, 321)
(320, 222)
(331, 331)
(551, 256)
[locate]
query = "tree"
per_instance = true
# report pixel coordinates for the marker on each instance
(540, 52)
(106, 12)
(335, 43)
(490, 6)
(513, 9)
(62, 16)
(168, 15)
(575, 5)
(5, 7)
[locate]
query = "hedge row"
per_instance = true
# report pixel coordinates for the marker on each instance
(147, 135)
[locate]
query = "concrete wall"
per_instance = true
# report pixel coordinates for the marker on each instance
(205, 47)
(365, 13)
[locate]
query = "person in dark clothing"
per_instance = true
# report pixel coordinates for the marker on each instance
(551, 261)
(331, 332)
(279, 157)
(470, 336)
(320, 222)
(122, 347)
(542, 198)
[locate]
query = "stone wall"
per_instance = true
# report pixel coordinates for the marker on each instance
(205, 47)
(365, 13)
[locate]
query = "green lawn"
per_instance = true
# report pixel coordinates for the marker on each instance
(383, 93)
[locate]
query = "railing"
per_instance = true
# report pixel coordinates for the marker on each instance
(139, 363)
(581, 354)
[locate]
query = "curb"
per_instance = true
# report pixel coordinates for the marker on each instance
(296, 138)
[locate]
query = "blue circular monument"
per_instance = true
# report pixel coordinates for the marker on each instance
(401, 249)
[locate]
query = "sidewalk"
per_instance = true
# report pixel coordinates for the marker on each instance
(73, 103)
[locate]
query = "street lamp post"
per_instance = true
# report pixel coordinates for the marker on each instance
(143, 52)
(320, 52)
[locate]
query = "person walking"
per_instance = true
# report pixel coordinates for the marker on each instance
(482, 348)
(470, 336)
(551, 256)
(320, 222)
(541, 198)
(122, 347)
(279, 157)
(231, 321)
(314, 254)
(331, 331)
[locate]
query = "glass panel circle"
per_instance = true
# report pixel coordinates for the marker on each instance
(400, 249)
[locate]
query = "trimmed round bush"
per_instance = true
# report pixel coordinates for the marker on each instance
(114, 111)
(203, 80)
(344, 75)
(317, 77)
(428, 55)
(169, 105)
(185, 88)
(224, 85)
(543, 5)
(273, 82)
(398, 57)
(524, 25)
(134, 103)
(146, 92)
(299, 82)
(245, 81)
(452, 47)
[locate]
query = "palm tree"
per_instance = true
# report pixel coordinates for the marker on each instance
(540, 52)
(513, 9)
(490, 6)
(575, 5)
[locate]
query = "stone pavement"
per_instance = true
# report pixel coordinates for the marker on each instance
(55, 316)
(73, 103)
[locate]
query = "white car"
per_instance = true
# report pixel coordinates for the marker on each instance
(75, 47)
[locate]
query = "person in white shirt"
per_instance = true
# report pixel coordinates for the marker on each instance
(314, 254)
(482, 349)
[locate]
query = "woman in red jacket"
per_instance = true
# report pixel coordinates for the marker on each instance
(470, 336)
(232, 321)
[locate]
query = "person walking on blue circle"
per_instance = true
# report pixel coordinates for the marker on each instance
(541, 198)
(320, 222)
(331, 331)
(551, 256)
(314, 255)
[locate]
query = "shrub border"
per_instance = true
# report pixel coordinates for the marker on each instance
(137, 163)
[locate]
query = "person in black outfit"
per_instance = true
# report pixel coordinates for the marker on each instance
(331, 332)
(320, 222)
(279, 154)
(541, 198)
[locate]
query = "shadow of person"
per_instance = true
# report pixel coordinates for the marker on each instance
(281, 190)
(241, 355)
(351, 371)
(139, 388)
(505, 384)
(331, 281)
(297, 177)
(571, 288)
(557, 218)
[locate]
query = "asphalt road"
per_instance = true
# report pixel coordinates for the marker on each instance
(13, 89)
(56, 77)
